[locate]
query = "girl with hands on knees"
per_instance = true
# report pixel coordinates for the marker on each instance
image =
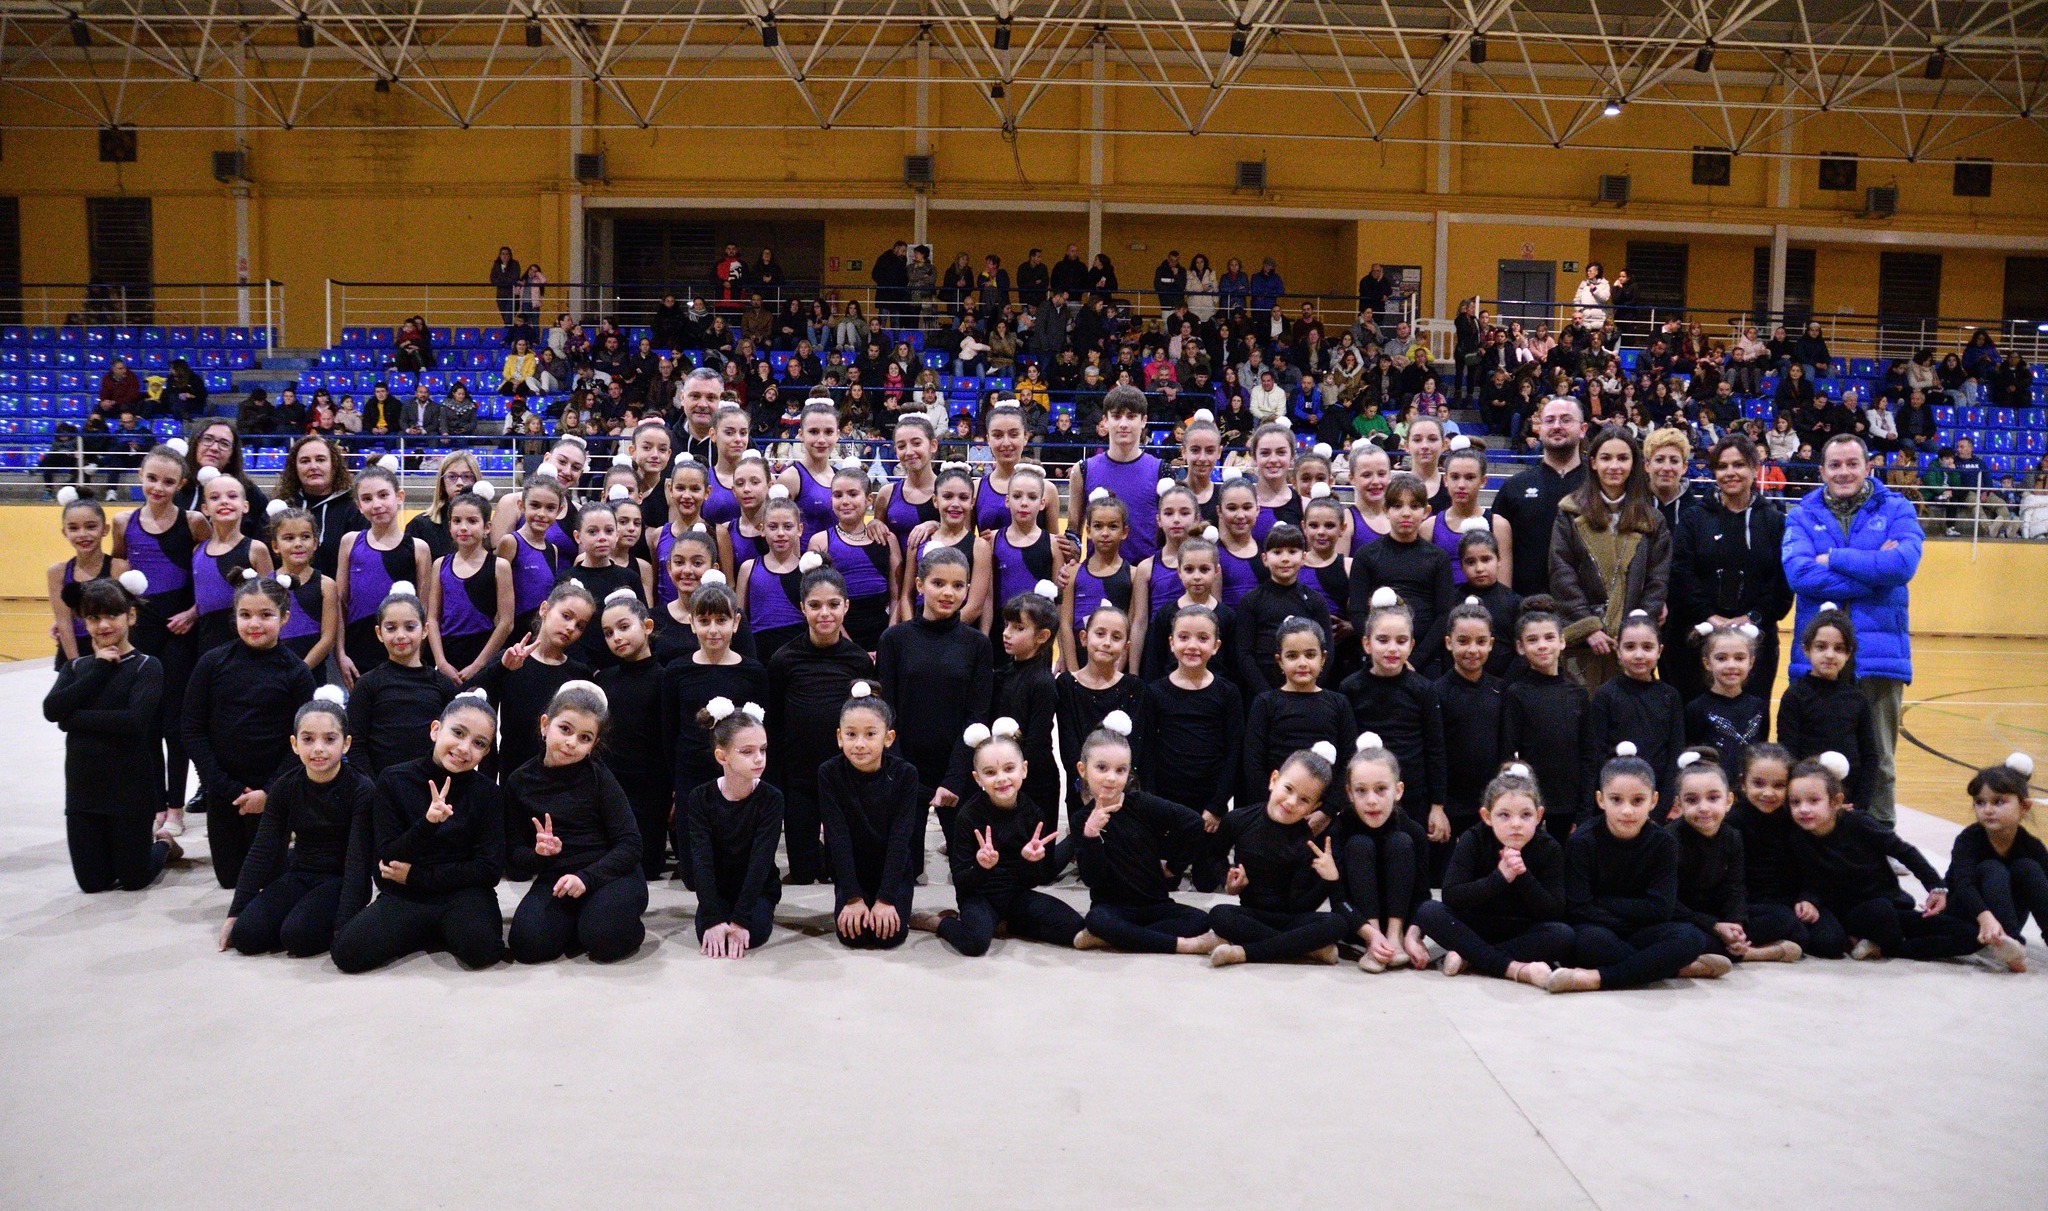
(1995, 872)
(434, 844)
(1502, 913)
(588, 891)
(873, 812)
(1000, 853)
(733, 824)
(1282, 877)
(1712, 871)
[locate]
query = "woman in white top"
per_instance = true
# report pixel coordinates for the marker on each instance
(1201, 288)
(1592, 297)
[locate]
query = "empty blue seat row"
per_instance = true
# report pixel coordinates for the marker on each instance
(179, 336)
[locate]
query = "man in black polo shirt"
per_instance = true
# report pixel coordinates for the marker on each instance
(1529, 500)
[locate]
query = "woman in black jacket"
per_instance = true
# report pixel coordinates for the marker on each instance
(184, 391)
(1725, 566)
(1811, 351)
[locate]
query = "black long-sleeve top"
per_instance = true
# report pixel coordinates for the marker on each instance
(1009, 829)
(1027, 693)
(1158, 660)
(388, 714)
(1972, 849)
(1259, 615)
(113, 753)
(1142, 840)
(1082, 710)
(1770, 874)
(686, 688)
(1711, 887)
(465, 850)
(872, 829)
(1477, 893)
(239, 708)
(1472, 714)
(522, 696)
(305, 828)
(1404, 710)
(1817, 716)
(675, 641)
(1502, 603)
(1852, 864)
(807, 686)
(632, 745)
(1278, 870)
(1649, 714)
(940, 677)
(1730, 725)
(1543, 726)
(1281, 724)
(1194, 743)
(732, 845)
(592, 817)
(1623, 885)
(1348, 826)
(1419, 572)
(1730, 564)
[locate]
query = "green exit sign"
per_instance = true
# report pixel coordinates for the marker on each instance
(854, 264)
(1571, 266)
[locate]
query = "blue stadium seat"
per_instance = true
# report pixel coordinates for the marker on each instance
(180, 337)
(70, 380)
(13, 334)
(42, 336)
(1975, 417)
(73, 407)
(353, 337)
(154, 359)
(11, 405)
(382, 338)
(150, 335)
(70, 336)
(208, 336)
(235, 338)
(216, 380)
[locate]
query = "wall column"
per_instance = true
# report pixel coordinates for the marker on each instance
(578, 271)
(1780, 234)
(1440, 272)
(920, 199)
(1100, 62)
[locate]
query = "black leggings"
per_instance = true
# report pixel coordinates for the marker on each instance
(467, 923)
(114, 851)
(295, 914)
(1644, 956)
(1379, 878)
(802, 825)
(605, 924)
(1902, 933)
(867, 939)
(651, 808)
(1272, 937)
(2014, 893)
(1146, 929)
(1489, 949)
(1032, 915)
(1824, 939)
(176, 653)
(229, 834)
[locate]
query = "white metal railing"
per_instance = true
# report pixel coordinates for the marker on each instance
(158, 304)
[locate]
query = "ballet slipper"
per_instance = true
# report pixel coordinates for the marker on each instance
(1866, 949)
(1088, 941)
(1573, 979)
(1226, 955)
(1454, 963)
(1324, 954)
(1200, 944)
(2008, 951)
(1707, 967)
(1536, 975)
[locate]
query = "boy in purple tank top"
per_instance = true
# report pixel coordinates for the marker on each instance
(1130, 474)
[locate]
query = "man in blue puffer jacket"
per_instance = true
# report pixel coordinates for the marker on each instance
(1856, 543)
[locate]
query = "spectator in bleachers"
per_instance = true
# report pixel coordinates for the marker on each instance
(1951, 381)
(289, 412)
(132, 439)
(1268, 399)
(1811, 351)
(792, 322)
(120, 388)
(991, 290)
(458, 414)
(757, 321)
(347, 417)
(518, 376)
(851, 331)
(1881, 425)
(1903, 477)
(921, 278)
(420, 415)
(1917, 426)
(505, 277)
(1202, 291)
(2012, 383)
(1594, 293)
(1102, 277)
(766, 275)
(1969, 482)
(1267, 289)
(1802, 470)
(1920, 373)
(2034, 508)
(413, 348)
(533, 287)
(381, 412)
(891, 275)
(563, 335)
(255, 416)
(1170, 282)
(1746, 362)
(184, 393)
(1980, 355)
(1069, 274)
(1233, 288)
(63, 462)
(1002, 348)
(1795, 392)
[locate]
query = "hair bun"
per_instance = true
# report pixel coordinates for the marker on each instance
(247, 574)
(711, 576)
(1318, 491)
(1638, 613)
(754, 711)
(275, 507)
(1626, 748)
(1210, 534)
(1005, 728)
(1473, 525)
(284, 580)
(1383, 597)
(135, 581)
(1825, 606)
(718, 708)
(1747, 630)
(2020, 763)
(1203, 414)
(402, 588)
(1368, 740)
(1098, 494)
(476, 693)
(975, 736)
(778, 492)
(1324, 749)
(957, 466)
(389, 462)
(1232, 474)
(1470, 600)
(207, 475)
(1164, 485)
(67, 496)
(616, 594)
(862, 689)
(810, 561)
(1118, 722)
(1321, 450)
(590, 687)
(617, 492)
(1704, 629)
(1834, 763)
(1516, 769)
(330, 693)
(683, 459)
(623, 458)
(1046, 588)
(177, 444)
(1688, 758)
(484, 488)
(1460, 442)
(849, 464)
